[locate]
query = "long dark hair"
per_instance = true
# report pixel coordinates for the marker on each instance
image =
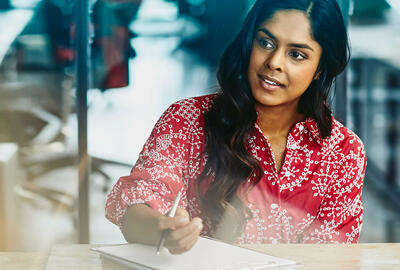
(232, 116)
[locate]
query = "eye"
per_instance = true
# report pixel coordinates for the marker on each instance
(265, 43)
(297, 55)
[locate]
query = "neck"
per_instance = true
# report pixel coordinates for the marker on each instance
(278, 120)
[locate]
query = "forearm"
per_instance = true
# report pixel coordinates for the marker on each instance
(140, 225)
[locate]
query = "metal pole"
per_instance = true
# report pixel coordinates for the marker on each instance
(82, 45)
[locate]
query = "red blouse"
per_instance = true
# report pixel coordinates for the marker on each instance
(314, 198)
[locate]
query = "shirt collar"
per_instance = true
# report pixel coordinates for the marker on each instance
(311, 125)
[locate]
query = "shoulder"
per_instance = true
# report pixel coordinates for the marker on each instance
(191, 108)
(202, 103)
(184, 113)
(346, 141)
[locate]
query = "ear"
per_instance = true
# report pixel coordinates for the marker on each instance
(316, 77)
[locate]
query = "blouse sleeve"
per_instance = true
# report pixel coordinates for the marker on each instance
(157, 176)
(339, 219)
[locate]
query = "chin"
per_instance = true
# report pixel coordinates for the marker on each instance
(268, 103)
(267, 100)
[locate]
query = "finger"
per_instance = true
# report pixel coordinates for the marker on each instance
(180, 212)
(183, 238)
(195, 226)
(165, 223)
(186, 245)
(192, 243)
(180, 219)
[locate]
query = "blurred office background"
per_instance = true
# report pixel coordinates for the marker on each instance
(145, 55)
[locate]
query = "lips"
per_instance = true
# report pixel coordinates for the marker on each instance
(270, 84)
(270, 80)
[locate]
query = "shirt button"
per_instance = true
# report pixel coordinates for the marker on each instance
(287, 174)
(293, 146)
(301, 127)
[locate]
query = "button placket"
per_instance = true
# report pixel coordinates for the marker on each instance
(269, 149)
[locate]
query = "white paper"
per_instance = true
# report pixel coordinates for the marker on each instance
(207, 254)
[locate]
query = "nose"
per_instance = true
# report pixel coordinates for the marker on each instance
(275, 60)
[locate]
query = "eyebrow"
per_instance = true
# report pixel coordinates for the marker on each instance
(296, 45)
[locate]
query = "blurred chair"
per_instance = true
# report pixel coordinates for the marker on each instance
(39, 134)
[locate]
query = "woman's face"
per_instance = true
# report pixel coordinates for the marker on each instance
(284, 59)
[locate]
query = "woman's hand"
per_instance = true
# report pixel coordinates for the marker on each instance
(142, 224)
(183, 232)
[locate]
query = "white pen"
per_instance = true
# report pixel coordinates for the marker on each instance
(170, 214)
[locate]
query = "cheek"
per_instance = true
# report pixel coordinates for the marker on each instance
(256, 59)
(302, 77)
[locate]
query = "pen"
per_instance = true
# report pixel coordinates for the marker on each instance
(170, 214)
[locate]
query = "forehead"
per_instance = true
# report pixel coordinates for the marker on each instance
(289, 25)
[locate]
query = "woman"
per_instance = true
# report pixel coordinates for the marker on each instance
(263, 161)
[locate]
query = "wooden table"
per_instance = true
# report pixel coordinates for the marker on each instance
(338, 257)
(23, 260)
(348, 257)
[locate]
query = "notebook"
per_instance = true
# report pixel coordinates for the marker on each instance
(207, 254)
